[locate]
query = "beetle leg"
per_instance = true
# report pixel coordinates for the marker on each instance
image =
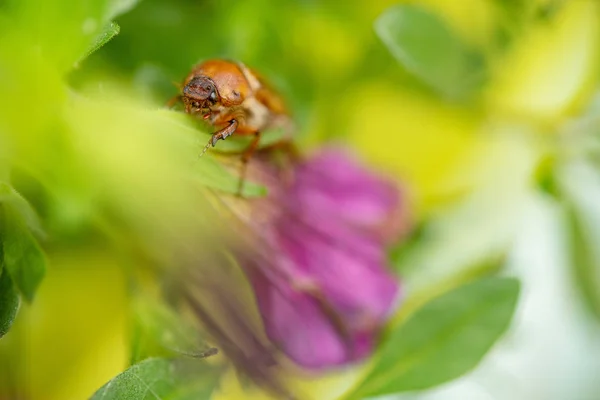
(221, 134)
(225, 132)
(245, 159)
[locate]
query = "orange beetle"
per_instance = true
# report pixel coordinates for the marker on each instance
(235, 99)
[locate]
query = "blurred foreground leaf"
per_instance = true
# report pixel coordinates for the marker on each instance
(427, 47)
(208, 170)
(240, 143)
(444, 339)
(9, 302)
(161, 379)
(212, 174)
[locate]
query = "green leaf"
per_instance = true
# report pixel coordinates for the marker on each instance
(113, 8)
(586, 262)
(11, 198)
(161, 379)
(579, 188)
(212, 174)
(428, 48)
(209, 170)
(9, 302)
(23, 257)
(159, 331)
(109, 31)
(444, 339)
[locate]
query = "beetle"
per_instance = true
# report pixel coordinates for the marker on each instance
(236, 100)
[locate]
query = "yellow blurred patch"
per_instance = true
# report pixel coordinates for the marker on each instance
(474, 20)
(325, 44)
(552, 67)
(231, 389)
(73, 339)
(324, 387)
(420, 139)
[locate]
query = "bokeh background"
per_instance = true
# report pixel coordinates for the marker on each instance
(499, 162)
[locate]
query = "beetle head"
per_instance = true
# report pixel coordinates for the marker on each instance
(200, 92)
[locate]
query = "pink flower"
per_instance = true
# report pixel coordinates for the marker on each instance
(315, 252)
(323, 287)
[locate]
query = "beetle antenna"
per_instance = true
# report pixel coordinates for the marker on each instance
(206, 148)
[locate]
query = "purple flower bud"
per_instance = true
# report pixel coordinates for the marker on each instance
(338, 187)
(326, 291)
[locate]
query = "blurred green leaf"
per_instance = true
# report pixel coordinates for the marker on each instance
(579, 188)
(11, 198)
(109, 31)
(23, 257)
(444, 339)
(399, 253)
(9, 302)
(161, 379)
(520, 11)
(427, 47)
(158, 331)
(586, 264)
(550, 9)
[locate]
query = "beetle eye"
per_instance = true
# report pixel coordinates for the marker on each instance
(213, 97)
